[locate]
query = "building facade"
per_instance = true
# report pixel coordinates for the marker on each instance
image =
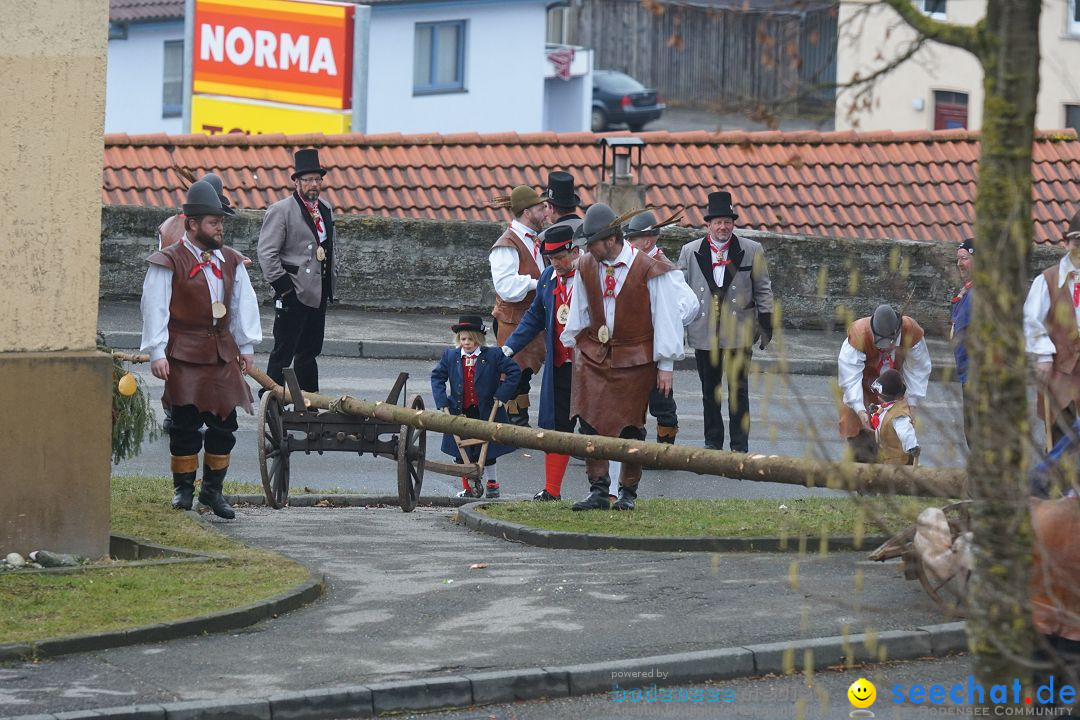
(940, 87)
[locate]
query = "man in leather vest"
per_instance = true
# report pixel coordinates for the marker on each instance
(200, 325)
(516, 263)
(297, 255)
(626, 326)
(875, 344)
(1051, 319)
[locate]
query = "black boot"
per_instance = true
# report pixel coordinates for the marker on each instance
(598, 496)
(214, 469)
(626, 498)
(183, 470)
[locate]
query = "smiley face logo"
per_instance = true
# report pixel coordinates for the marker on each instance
(862, 693)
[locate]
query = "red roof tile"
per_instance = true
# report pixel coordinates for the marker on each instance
(915, 185)
(145, 10)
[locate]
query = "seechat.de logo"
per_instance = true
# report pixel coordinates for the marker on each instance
(862, 695)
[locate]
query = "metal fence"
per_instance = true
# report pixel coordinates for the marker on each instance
(780, 58)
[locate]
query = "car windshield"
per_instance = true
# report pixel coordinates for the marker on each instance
(617, 82)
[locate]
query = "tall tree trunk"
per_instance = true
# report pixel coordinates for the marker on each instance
(999, 625)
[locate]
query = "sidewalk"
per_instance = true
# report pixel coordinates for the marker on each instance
(404, 607)
(423, 336)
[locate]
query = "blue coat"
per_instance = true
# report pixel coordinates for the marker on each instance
(540, 318)
(489, 367)
(961, 318)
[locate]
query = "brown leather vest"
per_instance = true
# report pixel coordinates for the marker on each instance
(631, 342)
(1061, 323)
(1055, 570)
(512, 312)
(193, 337)
(861, 338)
(890, 449)
(171, 231)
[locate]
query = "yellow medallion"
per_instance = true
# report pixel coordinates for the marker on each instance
(603, 334)
(563, 314)
(320, 254)
(218, 310)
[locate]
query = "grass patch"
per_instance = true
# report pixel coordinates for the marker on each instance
(812, 517)
(40, 606)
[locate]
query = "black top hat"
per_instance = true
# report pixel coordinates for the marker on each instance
(215, 181)
(202, 199)
(720, 206)
(470, 322)
(560, 190)
(557, 239)
(307, 161)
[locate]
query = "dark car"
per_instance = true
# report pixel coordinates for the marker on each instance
(619, 98)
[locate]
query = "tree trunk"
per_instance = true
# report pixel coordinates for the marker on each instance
(891, 479)
(999, 625)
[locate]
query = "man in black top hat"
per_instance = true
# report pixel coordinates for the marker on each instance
(562, 201)
(730, 277)
(296, 253)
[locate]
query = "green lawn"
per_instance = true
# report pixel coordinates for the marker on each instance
(812, 517)
(39, 606)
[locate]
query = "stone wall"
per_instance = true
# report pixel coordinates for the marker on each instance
(441, 266)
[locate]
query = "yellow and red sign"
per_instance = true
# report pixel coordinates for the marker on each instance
(289, 51)
(219, 116)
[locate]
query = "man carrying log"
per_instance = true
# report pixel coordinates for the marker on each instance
(626, 325)
(200, 325)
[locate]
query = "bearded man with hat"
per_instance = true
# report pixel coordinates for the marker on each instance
(626, 325)
(547, 314)
(200, 325)
(874, 344)
(730, 277)
(562, 201)
(296, 253)
(515, 270)
(1051, 319)
(642, 232)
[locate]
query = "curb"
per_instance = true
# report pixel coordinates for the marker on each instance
(560, 540)
(457, 691)
(225, 621)
(392, 350)
(343, 500)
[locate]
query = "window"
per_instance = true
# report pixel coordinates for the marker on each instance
(950, 110)
(172, 81)
(1072, 117)
(933, 8)
(1074, 17)
(118, 31)
(439, 57)
(557, 18)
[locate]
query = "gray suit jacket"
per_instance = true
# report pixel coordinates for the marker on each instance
(287, 247)
(733, 313)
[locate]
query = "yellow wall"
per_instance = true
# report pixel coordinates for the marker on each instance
(53, 89)
(214, 116)
(871, 34)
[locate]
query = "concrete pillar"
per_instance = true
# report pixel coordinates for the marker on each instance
(56, 394)
(622, 197)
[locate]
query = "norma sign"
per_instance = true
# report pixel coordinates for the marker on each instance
(223, 116)
(288, 51)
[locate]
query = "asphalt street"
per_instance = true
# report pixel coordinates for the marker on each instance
(795, 416)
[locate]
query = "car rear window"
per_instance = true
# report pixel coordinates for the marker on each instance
(617, 82)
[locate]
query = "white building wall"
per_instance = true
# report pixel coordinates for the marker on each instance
(869, 35)
(133, 86)
(505, 67)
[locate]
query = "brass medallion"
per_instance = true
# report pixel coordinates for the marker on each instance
(563, 314)
(218, 310)
(603, 334)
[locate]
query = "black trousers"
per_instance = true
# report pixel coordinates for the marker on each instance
(525, 383)
(185, 437)
(563, 377)
(298, 341)
(738, 360)
(663, 408)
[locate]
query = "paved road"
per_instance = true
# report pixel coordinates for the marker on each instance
(795, 418)
(402, 603)
(824, 698)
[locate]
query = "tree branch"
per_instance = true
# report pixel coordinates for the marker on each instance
(968, 38)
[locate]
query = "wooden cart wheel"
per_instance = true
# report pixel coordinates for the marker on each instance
(950, 593)
(411, 455)
(273, 457)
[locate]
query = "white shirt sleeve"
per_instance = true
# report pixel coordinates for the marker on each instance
(688, 302)
(665, 297)
(1036, 308)
(917, 372)
(510, 286)
(850, 365)
(245, 324)
(579, 313)
(905, 430)
(156, 297)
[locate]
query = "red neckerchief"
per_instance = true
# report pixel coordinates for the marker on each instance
(316, 217)
(536, 245)
(875, 419)
(609, 278)
(717, 249)
(207, 261)
(967, 286)
(563, 293)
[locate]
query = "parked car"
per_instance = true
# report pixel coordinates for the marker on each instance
(619, 98)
